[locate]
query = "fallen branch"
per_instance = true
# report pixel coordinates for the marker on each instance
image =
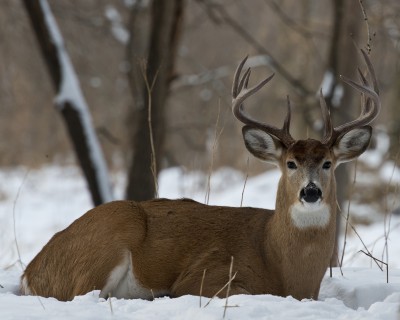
(377, 260)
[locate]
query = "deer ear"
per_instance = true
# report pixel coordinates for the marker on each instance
(352, 144)
(262, 145)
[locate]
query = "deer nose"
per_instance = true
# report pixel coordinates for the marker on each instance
(311, 193)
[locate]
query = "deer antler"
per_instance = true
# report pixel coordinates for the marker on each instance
(240, 92)
(370, 105)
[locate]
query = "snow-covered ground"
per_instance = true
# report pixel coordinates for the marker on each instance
(38, 203)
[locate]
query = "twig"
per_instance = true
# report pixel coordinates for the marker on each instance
(202, 283)
(340, 267)
(348, 213)
(213, 150)
(387, 220)
(217, 12)
(229, 287)
(363, 243)
(149, 89)
(373, 243)
(14, 220)
(291, 23)
(245, 181)
(111, 307)
(220, 290)
(152, 293)
(38, 297)
(377, 260)
(369, 38)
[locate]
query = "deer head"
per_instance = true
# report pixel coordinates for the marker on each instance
(307, 189)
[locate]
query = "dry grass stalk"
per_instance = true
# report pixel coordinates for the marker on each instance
(340, 267)
(14, 220)
(388, 217)
(229, 287)
(245, 181)
(377, 260)
(363, 243)
(149, 89)
(38, 298)
(213, 151)
(201, 284)
(348, 212)
(111, 307)
(220, 290)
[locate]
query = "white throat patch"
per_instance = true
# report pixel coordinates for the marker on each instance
(310, 215)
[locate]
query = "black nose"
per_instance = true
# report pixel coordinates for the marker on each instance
(311, 193)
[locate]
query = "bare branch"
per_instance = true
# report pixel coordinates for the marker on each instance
(369, 38)
(293, 25)
(215, 10)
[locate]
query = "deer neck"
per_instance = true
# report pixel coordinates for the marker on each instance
(301, 255)
(291, 237)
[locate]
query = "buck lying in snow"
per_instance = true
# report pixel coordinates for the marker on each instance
(162, 247)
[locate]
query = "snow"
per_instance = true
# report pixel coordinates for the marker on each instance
(118, 29)
(70, 91)
(47, 200)
(375, 157)
(328, 82)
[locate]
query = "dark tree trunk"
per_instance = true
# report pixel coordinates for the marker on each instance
(343, 57)
(166, 19)
(76, 117)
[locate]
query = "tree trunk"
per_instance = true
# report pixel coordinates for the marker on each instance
(343, 57)
(70, 101)
(394, 124)
(166, 21)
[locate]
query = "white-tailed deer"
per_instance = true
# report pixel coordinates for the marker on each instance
(161, 247)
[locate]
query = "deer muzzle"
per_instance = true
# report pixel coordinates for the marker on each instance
(310, 193)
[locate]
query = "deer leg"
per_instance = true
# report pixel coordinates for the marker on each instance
(122, 282)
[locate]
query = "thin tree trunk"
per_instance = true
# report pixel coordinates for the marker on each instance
(166, 20)
(70, 101)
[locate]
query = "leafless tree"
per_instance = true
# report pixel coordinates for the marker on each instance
(151, 76)
(75, 113)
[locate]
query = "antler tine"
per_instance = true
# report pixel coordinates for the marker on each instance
(369, 110)
(369, 115)
(240, 93)
(371, 71)
(286, 123)
(236, 86)
(365, 101)
(245, 80)
(326, 117)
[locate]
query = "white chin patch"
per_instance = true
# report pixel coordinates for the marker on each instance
(307, 215)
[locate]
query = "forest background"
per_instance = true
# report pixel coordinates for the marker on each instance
(112, 44)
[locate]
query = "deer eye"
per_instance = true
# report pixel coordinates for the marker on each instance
(291, 165)
(327, 165)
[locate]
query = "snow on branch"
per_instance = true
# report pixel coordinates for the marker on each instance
(70, 94)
